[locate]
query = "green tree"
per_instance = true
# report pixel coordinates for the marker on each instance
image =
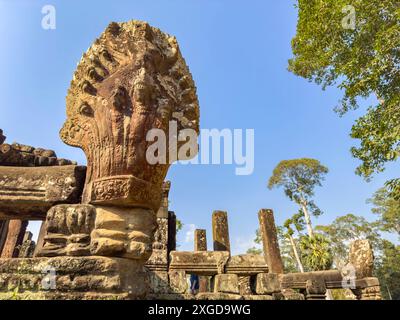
(298, 178)
(345, 229)
(179, 225)
(388, 208)
(316, 252)
(254, 250)
(257, 240)
(298, 222)
(355, 45)
(287, 254)
(388, 271)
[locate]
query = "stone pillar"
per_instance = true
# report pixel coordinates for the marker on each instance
(269, 237)
(200, 240)
(361, 258)
(3, 233)
(200, 244)
(171, 245)
(15, 237)
(28, 246)
(40, 240)
(220, 231)
(2, 137)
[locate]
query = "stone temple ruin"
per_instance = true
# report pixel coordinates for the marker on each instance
(107, 231)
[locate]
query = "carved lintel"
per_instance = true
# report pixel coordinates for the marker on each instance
(28, 193)
(246, 265)
(208, 263)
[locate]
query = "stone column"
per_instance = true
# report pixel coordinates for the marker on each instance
(3, 233)
(270, 241)
(220, 231)
(200, 240)
(28, 246)
(171, 245)
(361, 260)
(2, 137)
(40, 240)
(15, 237)
(200, 244)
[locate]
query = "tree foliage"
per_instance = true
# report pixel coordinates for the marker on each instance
(388, 209)
(257, 240)
(298, 177)
(315, 252)
(287, 254)
(345, 229)
(179, 225)
(388, 271)
(362, 60)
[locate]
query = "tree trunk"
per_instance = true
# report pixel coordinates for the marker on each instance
(296, 254)
(307, 218)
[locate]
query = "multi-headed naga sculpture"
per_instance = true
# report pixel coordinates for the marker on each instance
(131, 80)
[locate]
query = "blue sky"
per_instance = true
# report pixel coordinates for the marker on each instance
(237, 52)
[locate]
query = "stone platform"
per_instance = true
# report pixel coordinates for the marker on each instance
(72, 278)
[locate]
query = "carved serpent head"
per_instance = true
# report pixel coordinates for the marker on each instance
(132, 79)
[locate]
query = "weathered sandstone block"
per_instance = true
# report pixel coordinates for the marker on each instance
(15, 236)
(258, 297)
(200, 240)
(315, 289)
(269, 237)
(123, 232)
(28, 193)
(220, 229)
(226, 283)
(68, 229)
(20, 155)
(72, 278)
(267, 283)
(246, 265)
(206, 263)
(178, 281)
(361, 257)
(159, 282)
(245, 285)
(82, 230)
(218, 296)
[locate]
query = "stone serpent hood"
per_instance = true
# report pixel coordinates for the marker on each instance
(131, 80)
